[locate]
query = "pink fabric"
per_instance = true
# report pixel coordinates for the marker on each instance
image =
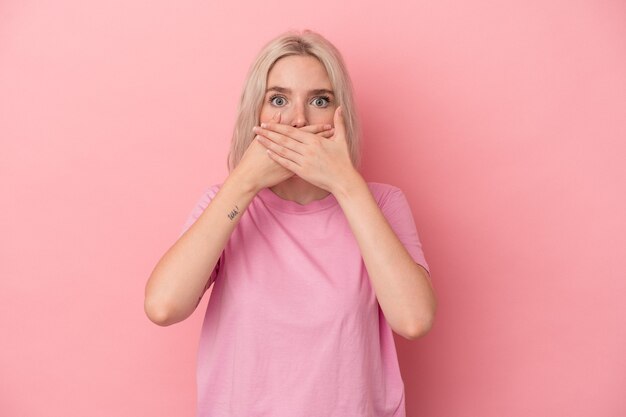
(292, 326)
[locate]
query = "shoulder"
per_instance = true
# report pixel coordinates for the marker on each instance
(211, 191)
(207, 195)
(384, 193)
(201, 204)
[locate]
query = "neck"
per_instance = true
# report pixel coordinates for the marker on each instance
(298, 190)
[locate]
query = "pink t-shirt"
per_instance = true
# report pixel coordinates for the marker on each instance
(293, 327)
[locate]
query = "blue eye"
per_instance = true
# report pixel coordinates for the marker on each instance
(277, 100)
(322, 101)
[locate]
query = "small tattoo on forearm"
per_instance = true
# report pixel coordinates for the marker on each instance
(233, 213)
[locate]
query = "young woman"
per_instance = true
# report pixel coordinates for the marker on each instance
(312, 267)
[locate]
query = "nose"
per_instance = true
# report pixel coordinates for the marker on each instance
(298, 115)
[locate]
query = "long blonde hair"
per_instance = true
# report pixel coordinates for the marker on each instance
(307, 43)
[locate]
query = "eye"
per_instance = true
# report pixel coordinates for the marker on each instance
(321, 101)
(277, 100)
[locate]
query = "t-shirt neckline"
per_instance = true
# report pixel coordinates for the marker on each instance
(274, 200)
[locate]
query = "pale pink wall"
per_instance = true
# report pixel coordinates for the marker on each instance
(504, 122)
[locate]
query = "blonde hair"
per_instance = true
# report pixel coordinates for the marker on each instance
(306, 43)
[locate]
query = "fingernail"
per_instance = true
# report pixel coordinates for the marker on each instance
(263, 125)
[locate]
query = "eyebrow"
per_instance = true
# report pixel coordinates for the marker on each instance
(288, 91)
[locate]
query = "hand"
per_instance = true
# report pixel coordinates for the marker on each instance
(259, 171)
(324, 163)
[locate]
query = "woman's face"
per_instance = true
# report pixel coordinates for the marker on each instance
(298, 87)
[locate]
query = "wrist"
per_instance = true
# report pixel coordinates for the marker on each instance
(349, 183)
(242, 182)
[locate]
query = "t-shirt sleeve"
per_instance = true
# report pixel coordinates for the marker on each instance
(198, 209)
(397, 211)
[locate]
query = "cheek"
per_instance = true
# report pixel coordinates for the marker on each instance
(265, 114)
(268, 112)
(325, 116)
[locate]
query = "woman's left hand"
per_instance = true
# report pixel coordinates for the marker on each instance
(323, 162)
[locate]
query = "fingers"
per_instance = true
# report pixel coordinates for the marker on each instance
(328, 133)
(340, 127)
(284, 162)
(325, 131)
(316, 128)
(279, 143)
(295, 133)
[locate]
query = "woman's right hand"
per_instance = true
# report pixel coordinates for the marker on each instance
(257, 168)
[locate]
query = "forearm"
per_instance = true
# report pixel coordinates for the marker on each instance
(180, 277)
(402, 287)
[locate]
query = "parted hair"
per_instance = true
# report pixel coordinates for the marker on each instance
(305, 43)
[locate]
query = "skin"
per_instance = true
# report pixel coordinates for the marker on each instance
(299, 104)
(182, 275)
(323, 166)
(300, 153)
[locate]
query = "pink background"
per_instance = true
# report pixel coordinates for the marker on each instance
(503, 122)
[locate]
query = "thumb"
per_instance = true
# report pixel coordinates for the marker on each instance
(340, 127)
(276, 117)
